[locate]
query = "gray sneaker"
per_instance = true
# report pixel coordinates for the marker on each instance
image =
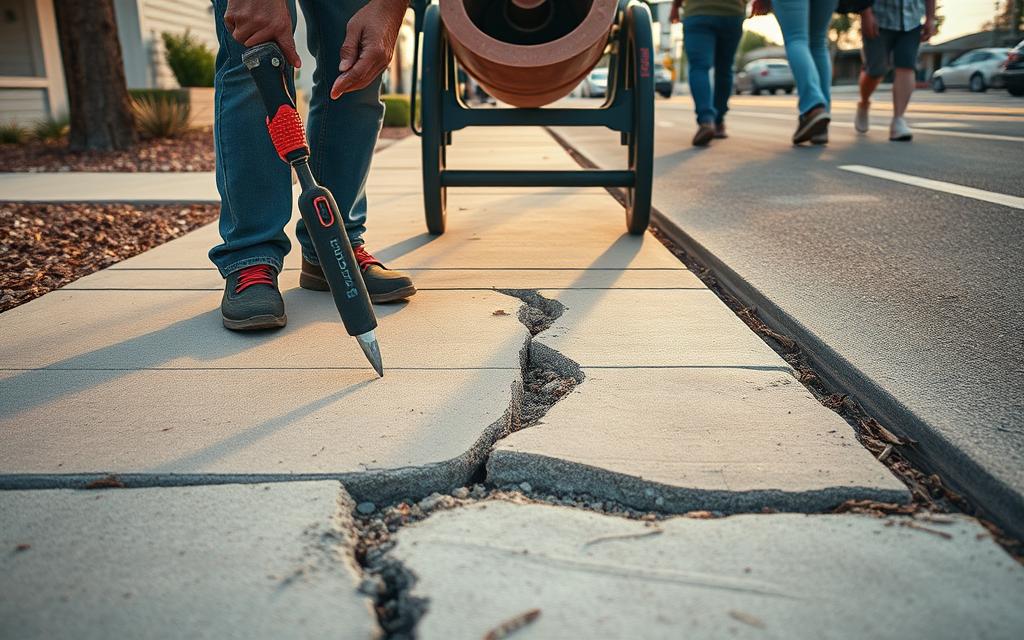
(252, 300)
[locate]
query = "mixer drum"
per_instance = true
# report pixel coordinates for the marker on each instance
(528, 53)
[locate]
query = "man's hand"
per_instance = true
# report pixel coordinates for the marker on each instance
(369, 44)
(928, 29)
(868, 24)
(673, 15)
(760, 8)
(253, 22)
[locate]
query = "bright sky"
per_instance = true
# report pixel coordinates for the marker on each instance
(962, 17)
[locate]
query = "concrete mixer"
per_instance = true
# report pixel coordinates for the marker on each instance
(528, 54)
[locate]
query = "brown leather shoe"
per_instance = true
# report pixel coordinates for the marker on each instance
(383, 284)
(811, 124)
(705, 132)
(720, 130)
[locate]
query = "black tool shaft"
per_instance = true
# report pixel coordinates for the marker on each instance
(273, 77)
(322, 218)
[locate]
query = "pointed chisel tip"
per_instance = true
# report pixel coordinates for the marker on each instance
(371, 349)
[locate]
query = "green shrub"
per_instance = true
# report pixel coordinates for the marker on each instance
(52, 128)
(396, 110)
(13, 133)
(191, 61)
(161, 116)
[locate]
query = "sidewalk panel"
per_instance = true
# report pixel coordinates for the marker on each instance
(687, 439)
(753, 576)
(258, 561)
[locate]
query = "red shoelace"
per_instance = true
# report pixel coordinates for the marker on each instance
(364, 258)
(256, 274)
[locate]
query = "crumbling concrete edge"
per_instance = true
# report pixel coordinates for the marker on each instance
(340, 543)
(557, 476)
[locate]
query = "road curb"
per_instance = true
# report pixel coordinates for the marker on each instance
(932, 452)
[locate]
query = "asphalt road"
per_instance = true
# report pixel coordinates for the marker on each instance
(912, 294)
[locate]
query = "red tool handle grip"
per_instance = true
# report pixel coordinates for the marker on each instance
(272, 74)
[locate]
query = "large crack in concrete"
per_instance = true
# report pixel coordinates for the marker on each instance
(547, 377)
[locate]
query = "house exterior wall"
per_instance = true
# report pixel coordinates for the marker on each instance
(140, 25)
(30, 98)
(24, 106)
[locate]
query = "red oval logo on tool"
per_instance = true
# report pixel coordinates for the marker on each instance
(323, 211)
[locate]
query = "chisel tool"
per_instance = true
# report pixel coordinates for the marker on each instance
(319, 211)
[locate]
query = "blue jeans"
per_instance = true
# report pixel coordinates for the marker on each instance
(804, 25)
(711, 41)
(255, 185)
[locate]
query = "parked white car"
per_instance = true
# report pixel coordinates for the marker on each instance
(977, 70)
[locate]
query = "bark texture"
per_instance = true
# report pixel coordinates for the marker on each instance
(99, 107)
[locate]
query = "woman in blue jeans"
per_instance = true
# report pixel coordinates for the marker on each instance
(711, 33)
(804, 25)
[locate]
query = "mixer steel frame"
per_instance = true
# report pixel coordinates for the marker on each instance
(628, 109)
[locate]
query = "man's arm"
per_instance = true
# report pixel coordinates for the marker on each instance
(369, 44)
(253, 22)
(868, 24)
(928, 28)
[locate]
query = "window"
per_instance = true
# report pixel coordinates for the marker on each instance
(21, 53)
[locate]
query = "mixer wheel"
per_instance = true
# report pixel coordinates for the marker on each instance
(640, 77)
(435, 196)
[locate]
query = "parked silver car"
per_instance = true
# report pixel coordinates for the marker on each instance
(595, 85)
(767, 74)
(977, 70)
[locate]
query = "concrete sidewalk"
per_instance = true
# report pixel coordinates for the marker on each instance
(679, 406)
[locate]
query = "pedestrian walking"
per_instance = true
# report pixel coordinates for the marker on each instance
(711, 32)
(353, 41)
(804, 25)
(892, 30)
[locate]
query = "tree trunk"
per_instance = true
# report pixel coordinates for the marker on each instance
(99, 108)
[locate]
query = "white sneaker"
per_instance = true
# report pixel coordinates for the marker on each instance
(899, 130)
(861, 123)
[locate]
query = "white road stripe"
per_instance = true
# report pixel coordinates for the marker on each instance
(946, 124)
(938, 185)
(840, 123)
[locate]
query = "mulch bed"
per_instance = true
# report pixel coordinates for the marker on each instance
(190, 152)
(46, 246)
